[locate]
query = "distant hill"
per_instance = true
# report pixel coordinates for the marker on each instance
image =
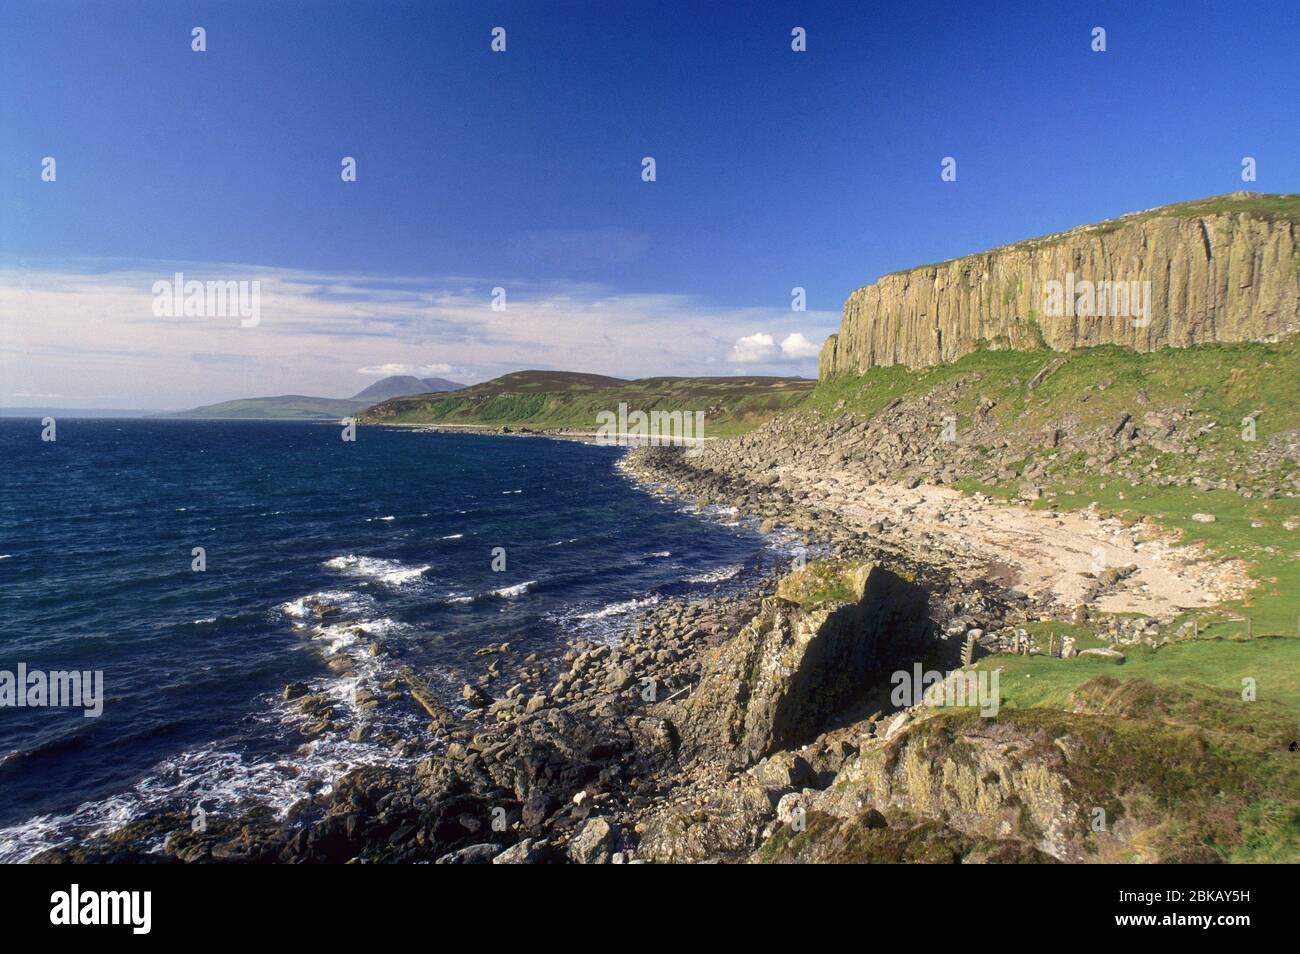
(569, 400)
(285, 407)
(302, 407)
(399, 385)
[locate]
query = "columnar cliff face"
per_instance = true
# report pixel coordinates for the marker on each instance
(1223, 269)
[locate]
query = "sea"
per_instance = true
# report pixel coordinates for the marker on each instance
(202, 566)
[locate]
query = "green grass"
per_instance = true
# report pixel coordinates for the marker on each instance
(1244, 800)
(1029, 682)
(1201, 377)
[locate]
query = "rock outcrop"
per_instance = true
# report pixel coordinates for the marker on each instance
(806, 657)
(1220, 270)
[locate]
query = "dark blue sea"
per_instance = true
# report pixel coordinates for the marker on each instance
(314, 547)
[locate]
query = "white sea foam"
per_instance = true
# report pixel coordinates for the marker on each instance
(505, 592)
(716, 576)
(390, 572)
(518, 589)
(213, 778)
(619, 609)
(303, 606)
(219, 779)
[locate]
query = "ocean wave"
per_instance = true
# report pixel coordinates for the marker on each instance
(391, 572)
(214, 779)
(219, 778)
(716, 576)
(504, 593)
(620, 609)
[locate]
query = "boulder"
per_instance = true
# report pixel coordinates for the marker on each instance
(594, 843)
(811, 652)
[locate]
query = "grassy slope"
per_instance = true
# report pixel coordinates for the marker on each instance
(1197, 683)
(556, 400)
(1194, 688)
(1225, 382)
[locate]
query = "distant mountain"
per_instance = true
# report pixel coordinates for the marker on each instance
(284, 407)
(400, 385)
(302, 407)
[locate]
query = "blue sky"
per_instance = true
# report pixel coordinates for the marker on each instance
(521, 170)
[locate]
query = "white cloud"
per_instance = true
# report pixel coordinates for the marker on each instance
(421, 370)
(796, 346)
(761, 347)
(752, 348)
(64, 325)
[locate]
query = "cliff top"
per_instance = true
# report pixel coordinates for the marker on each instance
(1260, 205)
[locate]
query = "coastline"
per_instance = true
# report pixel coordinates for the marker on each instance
(705, 732)
(599, 727)
(560, 433)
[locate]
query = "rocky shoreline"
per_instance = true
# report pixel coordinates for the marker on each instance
(753, 727)
(598, 756)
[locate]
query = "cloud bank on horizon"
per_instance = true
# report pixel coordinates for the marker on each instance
(92, 337)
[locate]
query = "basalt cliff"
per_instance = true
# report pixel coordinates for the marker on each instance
(1224, 269)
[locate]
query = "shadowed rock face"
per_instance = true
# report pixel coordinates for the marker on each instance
(802, 661)
(1231, 274)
